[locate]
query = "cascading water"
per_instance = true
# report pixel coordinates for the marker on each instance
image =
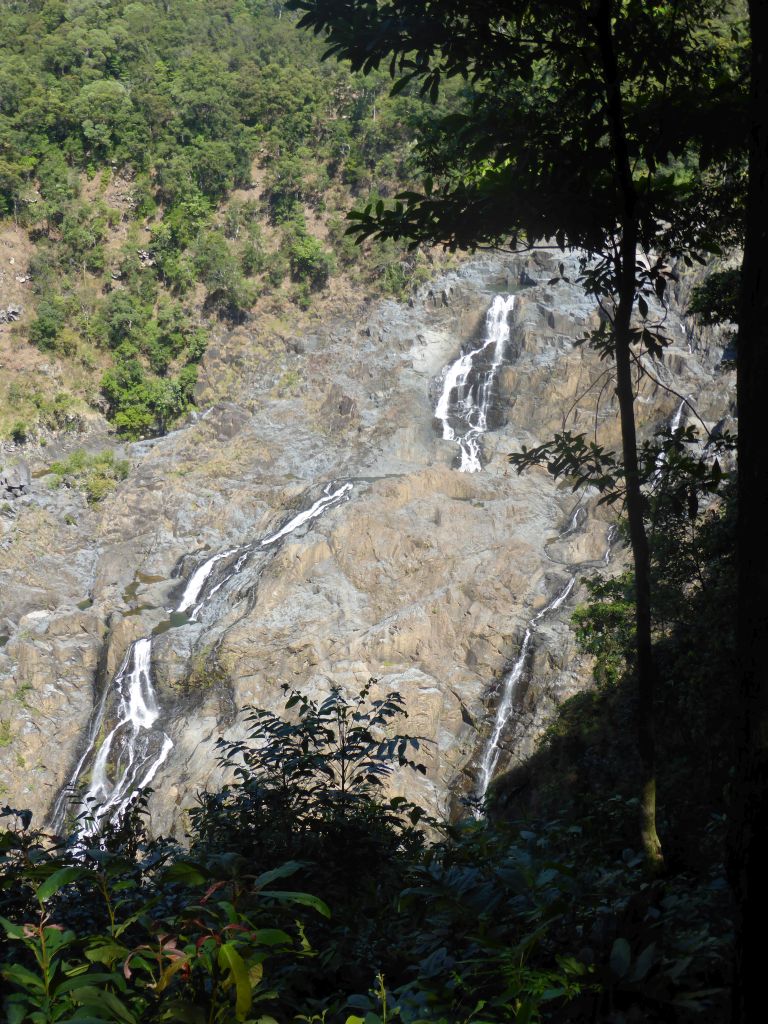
(322, 504)
(139, 750)
(136, 747)
(492, 752)
(468, 386)
(578, 516)
(490, 759)
(677, 419)
(661, 458)
(197, 582)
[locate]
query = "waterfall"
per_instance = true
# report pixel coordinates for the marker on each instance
(131, 754)
(492, 752)
(197, 581)
(578, 516)
(139, 751)
(510, 682)
(328, 499)
(661, 458)
(678, 417)
(468, 385)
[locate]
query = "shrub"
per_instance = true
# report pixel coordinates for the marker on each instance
(19, 432)
(310, 263)
(50, 320)
(97, 475)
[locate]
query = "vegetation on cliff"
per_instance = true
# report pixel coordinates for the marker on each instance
(175, 163)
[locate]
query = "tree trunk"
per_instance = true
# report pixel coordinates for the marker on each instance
(749, 815)
(646, 668)
(625, 281)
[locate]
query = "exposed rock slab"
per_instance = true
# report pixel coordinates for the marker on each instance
(425, 579)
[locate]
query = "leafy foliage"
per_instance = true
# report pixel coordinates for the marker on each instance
(716, 299)
(308, 894)
(136, 122)
(97, 475)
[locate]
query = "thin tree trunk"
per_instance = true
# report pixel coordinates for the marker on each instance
(625, 272)
(749, 815)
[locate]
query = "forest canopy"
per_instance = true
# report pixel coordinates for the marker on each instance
(174, 164)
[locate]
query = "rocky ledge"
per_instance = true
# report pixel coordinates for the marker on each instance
(425, 579)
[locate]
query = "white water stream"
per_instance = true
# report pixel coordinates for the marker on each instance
(131, 754)
(468, 386)
(505, 710)
(490, 759)
(661, 458)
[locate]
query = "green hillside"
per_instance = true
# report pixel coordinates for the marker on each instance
(171, 164)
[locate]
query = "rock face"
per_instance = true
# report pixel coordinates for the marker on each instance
(423, 577)
(15, 480)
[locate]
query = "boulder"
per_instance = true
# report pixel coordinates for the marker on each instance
(15, 480)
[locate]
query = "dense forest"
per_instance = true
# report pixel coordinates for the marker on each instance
(174, 165)
(612, 877)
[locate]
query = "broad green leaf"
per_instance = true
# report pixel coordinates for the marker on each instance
(107, 953)
(85, 1016)
(289, 868)
(185, 1012)
(58, 880)
(644, 963)
(271, 937)
(15, 1012)
(79, 981)
(360, 1002)
(185, 873)
(304, 898)
(231, 959)
(173, 968)
(91, 997)
(22, 976)
(14, 931)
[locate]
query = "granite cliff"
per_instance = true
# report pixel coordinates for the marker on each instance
(419, 575)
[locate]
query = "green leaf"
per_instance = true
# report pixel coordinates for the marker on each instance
(284, 871)
(170, 971)
(15, 1012)
(107, 953)
(231, 959)
(79, 981)
(14, 931)
(58, 880)
(360, 1002)
(22, 977)
(644, 963)
(304, 898)
(184, 1011)
(271, 937)
(89, 996)
(186, 873)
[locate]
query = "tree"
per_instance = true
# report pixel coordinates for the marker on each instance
(749, 825)
(594, 123)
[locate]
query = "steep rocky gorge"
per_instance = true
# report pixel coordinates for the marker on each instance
(424, 577)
